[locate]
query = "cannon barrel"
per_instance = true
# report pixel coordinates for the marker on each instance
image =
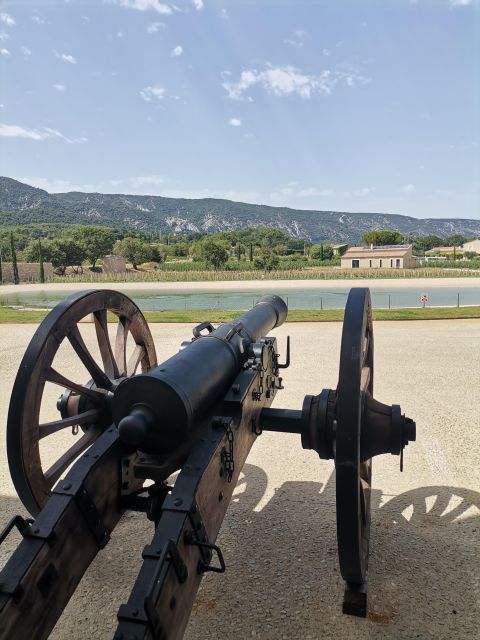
(156, 411)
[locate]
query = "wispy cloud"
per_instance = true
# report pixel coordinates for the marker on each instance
(176, 52)
(408, 188)
(314, 192)
(297, 39)
(145, 5)
(139, 181)
(15, 131)
(454, 4)
(26, 51)
(66, 57)
(58, 185)
(4, 52)
(235, 122)
(154, 27)
(198, 4)
(7, 19)
(287, 81)
(4, 36)
(38, 20)
(153, 92)
(363, 192)
(59, 87)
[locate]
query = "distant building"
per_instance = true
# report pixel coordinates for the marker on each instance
(444, 252)
(27, 271)
(114, 264)
(397, 256)
(339, 249)
(473, 245)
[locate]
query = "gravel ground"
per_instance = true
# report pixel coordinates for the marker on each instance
(278, 538)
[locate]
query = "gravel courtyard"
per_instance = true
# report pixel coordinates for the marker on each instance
(278, 539)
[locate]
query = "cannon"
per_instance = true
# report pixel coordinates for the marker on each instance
(170, 440)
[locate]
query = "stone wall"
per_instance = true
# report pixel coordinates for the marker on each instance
(114, 264)
(27, 271)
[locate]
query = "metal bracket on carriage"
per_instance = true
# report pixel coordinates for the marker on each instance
(226, 456)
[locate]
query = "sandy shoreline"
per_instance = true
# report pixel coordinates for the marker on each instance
(245, 285)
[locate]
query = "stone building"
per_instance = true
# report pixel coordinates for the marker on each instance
(397, 256)
(27, 271)
(472, 245)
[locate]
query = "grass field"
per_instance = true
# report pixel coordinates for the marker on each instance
(19, 316)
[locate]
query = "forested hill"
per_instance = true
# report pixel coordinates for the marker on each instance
(23, 204)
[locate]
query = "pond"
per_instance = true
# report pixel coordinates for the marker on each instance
(301, 298)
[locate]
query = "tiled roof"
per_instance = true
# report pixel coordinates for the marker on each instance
(390, 251)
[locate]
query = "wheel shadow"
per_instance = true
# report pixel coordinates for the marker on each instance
(283, 573)
(283, 579)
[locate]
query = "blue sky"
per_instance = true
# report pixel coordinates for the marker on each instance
(333, 105)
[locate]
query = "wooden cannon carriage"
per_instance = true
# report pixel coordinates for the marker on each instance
(135, 423)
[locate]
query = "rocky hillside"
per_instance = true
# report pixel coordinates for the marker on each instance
(23, 204)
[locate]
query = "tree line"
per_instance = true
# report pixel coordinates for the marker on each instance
(74, 246)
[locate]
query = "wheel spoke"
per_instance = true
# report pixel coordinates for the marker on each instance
(56, 470)
(135, 359)
(48, 428)
(121, 344)
(365, 378)
(99, 377)
(94, 396)
(108, 359)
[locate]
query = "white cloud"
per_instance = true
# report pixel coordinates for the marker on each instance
(15, 131)
(235, 122)
(4, 36)
(151, 92)
(177, 51)
(145, 5)
(408, 188)
(59, 87)
(26, 51)
(364, 191)
(326, 52)
(7, 19)
(66, 57)
(154, 27)
(314, 192)
(224, 14)
(198, 4)
(120, 34)
(287, 80)
(58, 185)
(139, 181)
(296, 39)
(4, 52)
(38, 20)
(454, 4)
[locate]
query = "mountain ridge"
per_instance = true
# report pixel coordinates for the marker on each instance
(23, 204)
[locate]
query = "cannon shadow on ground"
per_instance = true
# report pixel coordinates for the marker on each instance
(282, 576)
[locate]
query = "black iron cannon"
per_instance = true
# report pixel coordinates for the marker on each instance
(198, 414)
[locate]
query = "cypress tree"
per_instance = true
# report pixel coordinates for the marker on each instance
(250, 254)
(40, 259)
(16, 279)
(321, 252)
(1, 264)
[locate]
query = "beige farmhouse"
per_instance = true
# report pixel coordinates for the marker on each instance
(472, 245)
(387, 257)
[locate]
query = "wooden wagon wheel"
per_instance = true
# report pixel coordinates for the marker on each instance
(82, 404)
(354, 477)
